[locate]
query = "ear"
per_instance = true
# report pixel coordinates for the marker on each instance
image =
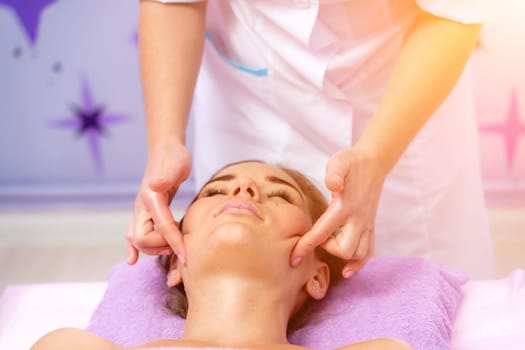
(317, 284)
(174, 275)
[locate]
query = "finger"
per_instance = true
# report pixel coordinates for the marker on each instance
(345, 243)
(148, 242)
(355, 265)
(152, 240)
(166, 225)
(161, 184)
(174, 238)
(337, 168)
(142, 236)
(352, 267)
(321, 230)
(173, 172)
(157, 251)
(141, 226)
(133, 254)
(171, 177)
(362, 250)
(146, 228)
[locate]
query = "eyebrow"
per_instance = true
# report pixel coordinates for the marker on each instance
(227, 177)
(270, 178)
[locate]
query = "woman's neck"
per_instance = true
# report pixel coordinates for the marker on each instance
(237, 312)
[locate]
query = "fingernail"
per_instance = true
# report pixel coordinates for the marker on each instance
(165, 252)
(296, 261)
(347, 273)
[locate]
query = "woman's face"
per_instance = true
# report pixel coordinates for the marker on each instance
(247, 217)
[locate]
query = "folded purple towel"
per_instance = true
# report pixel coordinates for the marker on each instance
(401, 297)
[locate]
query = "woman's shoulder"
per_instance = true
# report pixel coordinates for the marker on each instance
(174, 344)
(73, 338)
(78, 339)
(376, 344)
(379, 344)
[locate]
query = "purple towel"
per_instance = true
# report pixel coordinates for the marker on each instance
(401, 297)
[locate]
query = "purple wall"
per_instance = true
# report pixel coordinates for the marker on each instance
(71, 114)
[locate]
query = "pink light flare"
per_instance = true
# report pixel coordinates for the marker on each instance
(511, 129)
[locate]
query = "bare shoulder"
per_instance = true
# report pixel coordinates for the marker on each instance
(196, 344)
(379, 344)
(73, 338)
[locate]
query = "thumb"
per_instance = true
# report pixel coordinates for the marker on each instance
(166, 175)
(161, 184)
(169, 179)
(337, 168)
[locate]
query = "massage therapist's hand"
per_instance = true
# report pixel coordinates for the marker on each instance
(153, 230)
(346, 229)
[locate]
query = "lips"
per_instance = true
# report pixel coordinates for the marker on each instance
(240, 206)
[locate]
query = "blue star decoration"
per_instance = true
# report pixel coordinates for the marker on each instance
(91, 121)
(28, 13)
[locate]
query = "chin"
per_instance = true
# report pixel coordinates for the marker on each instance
(239, 235)
(233, 247)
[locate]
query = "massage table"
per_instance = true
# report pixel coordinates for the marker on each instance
(491, 314)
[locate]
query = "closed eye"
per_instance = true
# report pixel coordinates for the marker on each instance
(281, 194)
(209, 192)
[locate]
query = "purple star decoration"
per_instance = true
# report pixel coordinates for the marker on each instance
(28, 13)
(511, 129)
(90, 120)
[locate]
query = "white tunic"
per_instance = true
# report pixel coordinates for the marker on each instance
(292, 82)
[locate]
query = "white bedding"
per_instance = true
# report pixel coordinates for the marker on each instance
(491, 314)
(29, 311)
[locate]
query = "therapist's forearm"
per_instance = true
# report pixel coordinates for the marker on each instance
(171, 40)
(427, 69)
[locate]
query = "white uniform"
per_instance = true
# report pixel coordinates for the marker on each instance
(292, 82)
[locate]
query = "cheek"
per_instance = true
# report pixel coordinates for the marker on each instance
(298, 276)
(296, 222)
(291, 228)
(192, 227)
(194, 219)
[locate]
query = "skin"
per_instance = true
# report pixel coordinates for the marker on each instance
(422, 78)
(249, 218)
(153, 229)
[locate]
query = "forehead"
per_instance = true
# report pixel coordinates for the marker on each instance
(256, 170)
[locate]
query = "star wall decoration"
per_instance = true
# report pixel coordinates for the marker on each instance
(90, 120)
(510, 129)
(28, 13)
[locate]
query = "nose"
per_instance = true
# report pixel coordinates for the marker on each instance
(245, 186)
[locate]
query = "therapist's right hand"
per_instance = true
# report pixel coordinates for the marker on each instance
(153, 230)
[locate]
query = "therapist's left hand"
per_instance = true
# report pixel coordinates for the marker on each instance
(346, 229)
